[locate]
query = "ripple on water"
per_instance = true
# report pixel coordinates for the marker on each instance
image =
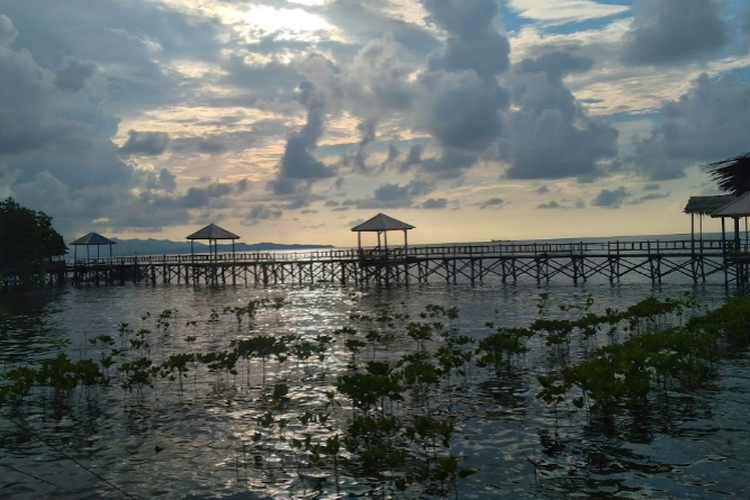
(200, 445)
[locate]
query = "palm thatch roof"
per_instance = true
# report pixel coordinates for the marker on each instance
(382, 222)
(213, 232)
(93, 239)
(707, 205)
(739, 207)
(733, 174)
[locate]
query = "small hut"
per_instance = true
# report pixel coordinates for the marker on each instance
(704, 205)
(89, 240)
(213, 234)
(737, 208)
(381, 224)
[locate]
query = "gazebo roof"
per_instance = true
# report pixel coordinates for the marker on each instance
(382, 222)
(707, 205)
(213, 232)
(738, 207)
(93, 239)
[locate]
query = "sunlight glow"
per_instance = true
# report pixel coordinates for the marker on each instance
(287, 24)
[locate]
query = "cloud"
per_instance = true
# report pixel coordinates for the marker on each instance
(260, 213)
(551, 205)
(145, 143)
(672, 31)
(564, 11)
(460, 100)
(611, 199)
(708, 123)
(8, 32)
(651, 187)
(462, 111)
(298, 163)
(434, 203)
(394, 195)
(492, 203)
(649, 197)
(167, 180)
(74, 75)
(574, 143)
(474, 44)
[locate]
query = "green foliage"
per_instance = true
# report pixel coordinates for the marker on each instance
(27, 242)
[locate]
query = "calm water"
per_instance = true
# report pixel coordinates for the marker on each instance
(692, 447)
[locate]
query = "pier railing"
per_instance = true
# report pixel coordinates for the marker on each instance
(479, 250)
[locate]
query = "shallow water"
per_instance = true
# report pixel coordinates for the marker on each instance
(198, 444)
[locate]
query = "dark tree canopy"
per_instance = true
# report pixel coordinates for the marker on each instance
(733, 174)
(27, 239)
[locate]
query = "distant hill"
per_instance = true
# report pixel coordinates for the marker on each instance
(161, 247)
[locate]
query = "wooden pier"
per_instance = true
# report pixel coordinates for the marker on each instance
(507, 262)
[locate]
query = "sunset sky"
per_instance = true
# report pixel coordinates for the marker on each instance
(293, 120)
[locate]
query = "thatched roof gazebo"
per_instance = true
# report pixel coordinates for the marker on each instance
(737, 208)
(720, 206)
(89, 240)
(381, 224)
(213, 234)
(704, 205)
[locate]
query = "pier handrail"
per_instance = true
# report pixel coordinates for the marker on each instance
(504, 249)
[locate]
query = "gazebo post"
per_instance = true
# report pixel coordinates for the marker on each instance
(692, 233)
(737, 240)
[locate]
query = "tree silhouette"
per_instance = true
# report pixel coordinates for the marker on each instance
(27, 241)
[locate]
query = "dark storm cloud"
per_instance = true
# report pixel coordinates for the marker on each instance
(492, 203)
(672, 31)
(574, 143)
(611, 199)
(298, 163)
(73, 76)
(708, 123)
(145, 143)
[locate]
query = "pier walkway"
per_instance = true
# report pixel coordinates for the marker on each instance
(475, 263)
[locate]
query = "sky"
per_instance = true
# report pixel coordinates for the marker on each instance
(291, 121)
